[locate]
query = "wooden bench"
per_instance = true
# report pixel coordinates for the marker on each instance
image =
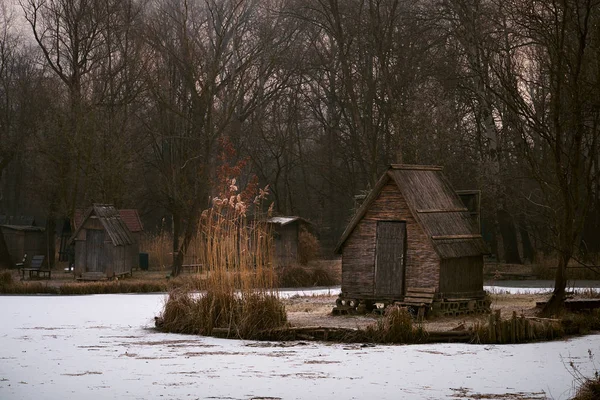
(22, 263)
(36, 268)
(420, 299)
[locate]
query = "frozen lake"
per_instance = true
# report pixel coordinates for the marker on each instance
(101, 346)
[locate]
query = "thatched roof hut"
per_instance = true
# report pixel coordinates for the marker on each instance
(412, 231)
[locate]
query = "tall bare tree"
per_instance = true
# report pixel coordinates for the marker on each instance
(210, 70)
(550, 83)
(21, 97)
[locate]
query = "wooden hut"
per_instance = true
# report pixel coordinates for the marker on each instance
(286, 235)
(132, 219)
(24, 239)
(104, 246)
(413, 241)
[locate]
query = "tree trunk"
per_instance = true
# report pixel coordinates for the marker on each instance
(190, 233)
(509, 238)
(528, 249)
(5, 259)
(177, 263)
(51, 238)
(177, 258)
(556, 303)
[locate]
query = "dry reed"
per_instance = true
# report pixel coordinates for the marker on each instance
(298, 276)
(396, 326)
(159, 248)
(236, 253)
(517, 329)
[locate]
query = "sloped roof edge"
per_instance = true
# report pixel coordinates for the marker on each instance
(122, 238)
(450, 247)
(362, 210)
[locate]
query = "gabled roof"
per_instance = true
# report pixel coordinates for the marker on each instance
(23, 228)
(17, 220)
(435, 206)
(112, 222)
(129, 215)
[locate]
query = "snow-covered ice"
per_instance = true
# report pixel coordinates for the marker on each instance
(102, 346)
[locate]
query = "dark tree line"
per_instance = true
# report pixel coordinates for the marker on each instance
(129, 102)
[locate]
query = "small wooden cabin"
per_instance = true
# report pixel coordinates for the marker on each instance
(412, 231)
(132, 219)
(104, 246)
(24, 239)
(286, 235)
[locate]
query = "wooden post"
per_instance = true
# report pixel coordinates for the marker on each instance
(498, 327)
(513, 328)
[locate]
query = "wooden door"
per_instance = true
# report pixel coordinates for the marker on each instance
(390, 258)
(94, 249)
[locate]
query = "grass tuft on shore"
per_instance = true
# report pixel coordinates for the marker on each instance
(396, 326)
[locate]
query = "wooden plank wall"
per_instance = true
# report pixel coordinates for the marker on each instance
(80, 257)
(20, 243)
(115, 260)
(463, 274)
(358, 254)
(286, 245)
(34, 243)
(14, 243)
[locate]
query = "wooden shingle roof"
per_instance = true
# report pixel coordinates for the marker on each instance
(435, 206)
(112, 222)
(129, 215)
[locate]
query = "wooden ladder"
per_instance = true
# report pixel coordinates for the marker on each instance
(420, 299)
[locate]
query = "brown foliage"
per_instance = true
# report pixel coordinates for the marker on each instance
(297, 276)
(308, 247)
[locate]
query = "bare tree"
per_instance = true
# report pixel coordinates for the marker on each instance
(20, 98)
(550, 84)
(210, 71)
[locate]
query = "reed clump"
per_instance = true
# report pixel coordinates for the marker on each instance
(240, 299)
(83, 288)
(298, 276)
(159, 247)
(221, 314)
(517, 329)
(5, 278)
(396, 326)
(589, 389)
(308, 246)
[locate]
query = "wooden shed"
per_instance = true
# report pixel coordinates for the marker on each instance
(286, 235)
(413, 240)
(104, 246)
(24, 239)
(132, 219)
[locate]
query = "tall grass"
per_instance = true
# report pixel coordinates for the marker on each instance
(396, 326)
(82, 288)
(588, 387)
(236, 252)
(308, 246)
(159, 247)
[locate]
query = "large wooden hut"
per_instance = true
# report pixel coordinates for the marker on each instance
(413, 241)
(286, 237)
(104, 246)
